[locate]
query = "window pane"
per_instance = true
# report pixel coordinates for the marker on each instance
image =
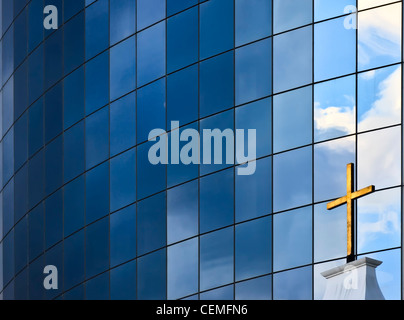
(73, 206)
(217, 198)
(123, 235)
(293, 284)
(54, 219)
(53, 112)
(293, 58)
(379, 98)
(253, 192)
(293, 238)
(73, 98)
(73, 43)
(182, 212)
(334, 50)
(123, 124)
(225, 293)
(182, 96)
(175, 6)
(330, 159)
(379, 216)
(253, 71)
(123, 180)
(217, 259)
(73, 153)
(97, 83)
(73, 251)
(216, 84)
(377, 158)
(292, 179)
(151, 109)
(97, 28)
(289, 14)
(253, 20)
(324, 9)
(98, 288)
(97, 247)
(253, 248)
(379, 36)
(256, 289)
(293, 131)
(123, 282)
(330, 232)
(257, 116)
(182, 269)
(151, 219)
(149, 12)
(216, 27)
(97, 137)
(97, 191)
(151, 276)
(182, 40)
(334, 108)
(122, 19)
(123, 68)
(151, 54)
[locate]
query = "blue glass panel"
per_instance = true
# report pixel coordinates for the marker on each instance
(73, 206)
(217, 200)
(73, 152)
(182, 269)
(20, 90)
(35, 127)
(123, 68)
(21, 193)
(151, 109)
(182, 40)
(216, 27)
(293, 285)
(35, 23)
(73, 98)
(253, 20)
(97, 137)
(123, 282)
(35, 74)
(98, 288)
(8, 105)
(216, 259)
(97, 247)
(36, 232)
(73, 42)
(8, 257)
(224, 293)
(97, 83)
(253, 192)
(182, 212)
(253, 248)
(36, 288)
(21, 244)
(256, 289)
(182, 96)
(253, 71)
(54, 219)
(289, 14)
(21, 286)
(123, 180)
(8, 156)
(123, 124)
(149, 12)
(334, 49)
(8, 207)
(20, 38)
(54, 257)
(216, 84)
(292, 59)
(36, 179)
(72, 7)
(324, 9)
(122, 19)
(53, 58)
(150, 178)
(151, 53)
(123, 235)
(8, 54)
(151, 276)
(293, 239)
(151, 219)
(54, 165)
(97, 28)
(292, 179)
(175, 6)
(97, 191)
(293, 131)
(73, 259)
(21, 141)
(53, 112)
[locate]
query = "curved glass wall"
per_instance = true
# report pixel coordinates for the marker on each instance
(321, 86)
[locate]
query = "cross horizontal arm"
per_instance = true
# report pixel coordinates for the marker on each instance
(363, 192)
(336, 203)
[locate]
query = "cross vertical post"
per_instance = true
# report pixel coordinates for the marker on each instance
(348, 199)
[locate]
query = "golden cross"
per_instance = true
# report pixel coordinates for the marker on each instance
(348, 199)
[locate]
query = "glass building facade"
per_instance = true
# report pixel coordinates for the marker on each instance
(322, 87)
